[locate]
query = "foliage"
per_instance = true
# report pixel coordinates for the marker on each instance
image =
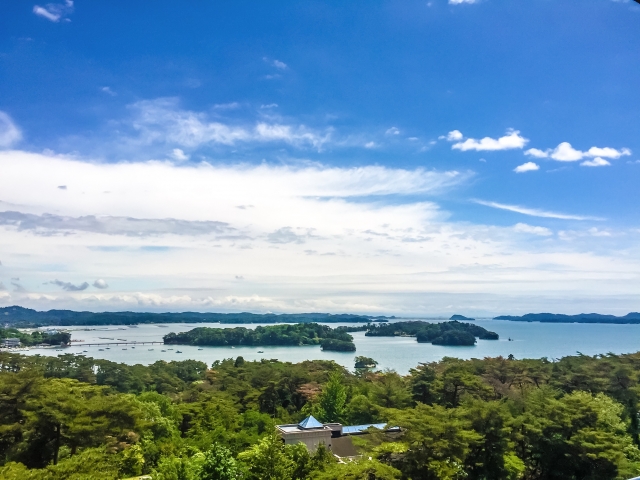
(491, 419)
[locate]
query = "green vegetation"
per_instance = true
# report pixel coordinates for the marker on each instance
(77, 418)
(461, 318)
(26, 317)
(445, 333)
(35, 338)
(299, 334)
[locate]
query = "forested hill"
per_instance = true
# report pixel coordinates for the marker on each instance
(633, 317)
(26, 317)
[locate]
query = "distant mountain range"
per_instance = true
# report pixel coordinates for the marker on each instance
(20, 316)
(633, 317)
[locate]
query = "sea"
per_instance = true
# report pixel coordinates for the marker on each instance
(521, 339)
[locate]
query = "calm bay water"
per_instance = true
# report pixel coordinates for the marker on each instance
(530, 340)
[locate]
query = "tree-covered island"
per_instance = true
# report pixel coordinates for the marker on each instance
(328, 338)
(35, 338)
(445, 333)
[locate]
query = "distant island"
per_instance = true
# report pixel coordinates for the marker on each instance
(461, 318)
(633, 317)
(26, 318)
(446, 333)
(336, 339)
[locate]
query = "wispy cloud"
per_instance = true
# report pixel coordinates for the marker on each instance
(55, 12)
(533, 230)
(163, 121)
(460, 2)
(108, 91)
(533, 212)
(10, 134)
(47, 224)
(511, 140)
(70, 287)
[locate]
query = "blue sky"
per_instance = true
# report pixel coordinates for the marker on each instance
(390, 157)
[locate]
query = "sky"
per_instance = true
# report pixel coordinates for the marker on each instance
(408, 158)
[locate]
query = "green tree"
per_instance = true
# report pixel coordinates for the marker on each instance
(218, 464)
(331, 402)
(438, 442)
(268, 460)
(361, 470)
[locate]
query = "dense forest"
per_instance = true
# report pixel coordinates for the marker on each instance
(445, 333)
(35, 338)
(72, 417)
(633, 317)
(298, 334)
(27, 318)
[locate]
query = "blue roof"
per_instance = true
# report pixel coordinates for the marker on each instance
(361, 428)
(310, 422)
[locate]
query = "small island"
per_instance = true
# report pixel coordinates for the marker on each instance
(336, 339)
(35, 338)
(446, 333)
(461, 318)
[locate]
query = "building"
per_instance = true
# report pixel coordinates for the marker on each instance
(309, 431)
(11, 342)
(335, 436)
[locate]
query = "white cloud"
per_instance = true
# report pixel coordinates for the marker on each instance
(280, 65)
(460, 2)
(453, 136)
(596, 162)
(55, 12)
(101, 284)
(309, 237)
(108, 91)
(526, 167)
(534, 230)
(370, 145)
(392, 131)
(511, 140)
(269, 105)
(608, 152)
(534, 212)
(536, 153)
(565, 152)
(10, 134)
(179, 155)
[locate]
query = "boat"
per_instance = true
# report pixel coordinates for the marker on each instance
(124, 348)
(200, 349)
(133, 347)
(101, 349)
(108, 348)
(260, 351)
(84, 351)
(178, 351)
(151, 349)
(163, 350)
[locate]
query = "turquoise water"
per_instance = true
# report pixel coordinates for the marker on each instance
(530, 340)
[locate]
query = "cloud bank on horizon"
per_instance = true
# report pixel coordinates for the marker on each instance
(287, 172)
